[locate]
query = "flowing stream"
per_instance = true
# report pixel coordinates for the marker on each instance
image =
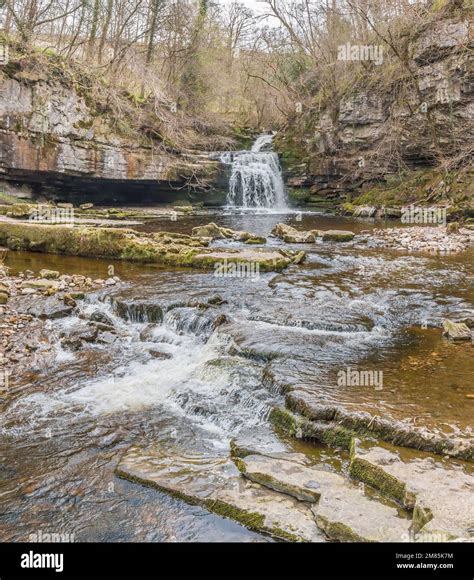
(256, 179)
(170, 376)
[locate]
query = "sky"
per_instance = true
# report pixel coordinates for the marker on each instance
(254, 4)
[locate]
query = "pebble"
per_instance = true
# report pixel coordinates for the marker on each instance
(16, 329)
(435, 240)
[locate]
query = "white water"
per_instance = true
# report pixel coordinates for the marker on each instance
(256, 180)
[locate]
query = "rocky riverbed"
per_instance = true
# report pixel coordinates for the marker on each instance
(131, 380)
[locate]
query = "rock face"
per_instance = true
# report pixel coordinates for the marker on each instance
(52, 142)
(348, 139)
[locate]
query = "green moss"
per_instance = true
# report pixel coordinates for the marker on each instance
(239, 464)
(415, 186)
(251, 520)
(12, 199)
(348, 208)
(17, 244)
(138, 253)
(285, 420)
(421, 516)
(284, 535)
(135, 479)
(255, 241)
(335, 436)
(376, 477)
(338, 531)
(298, 195)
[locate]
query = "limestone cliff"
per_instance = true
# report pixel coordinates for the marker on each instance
(384, 127)
(56, 142)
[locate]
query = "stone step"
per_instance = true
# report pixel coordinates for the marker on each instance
(263, 441)
(335, 425)
(213, 482)
(341, 509)
(440, 491)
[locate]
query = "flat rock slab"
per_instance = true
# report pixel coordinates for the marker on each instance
(456, 330)
(41, 307)
(234, 262)
(337, 236)
(441, 492)
(285, 475)
(262, 441)
(347, 515)
(216, 484)
(340, 508)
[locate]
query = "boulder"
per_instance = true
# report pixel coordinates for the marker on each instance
(48, 308)
(215, 232)
(101, 318)
(78, 335)
(248, 258)
(456, 330)
(291, 235)
(42, 284)
(211, 230)
(365, 211)
(337, 236)
(49, 274)
(159, 354)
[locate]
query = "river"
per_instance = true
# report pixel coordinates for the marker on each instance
(346, 306)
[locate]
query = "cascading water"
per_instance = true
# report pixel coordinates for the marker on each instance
(256, 180)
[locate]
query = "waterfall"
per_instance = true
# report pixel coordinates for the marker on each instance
(256, 180)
